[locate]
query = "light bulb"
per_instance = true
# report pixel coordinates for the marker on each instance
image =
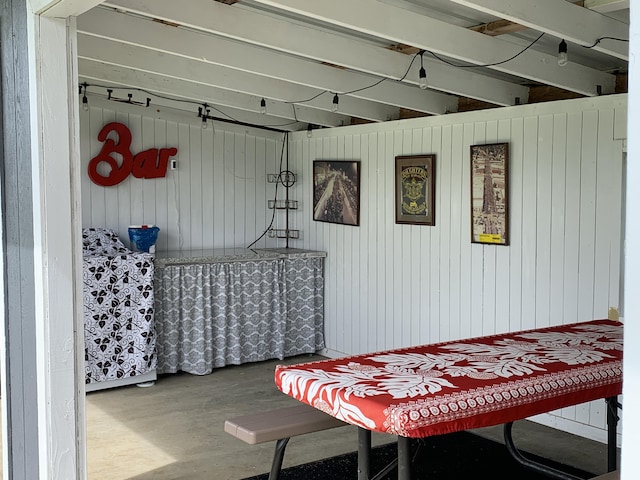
(85, 103)
(204, 122)
(563, 58)
(263, 106)
(309, 131)
(422, 81)
(334, 105)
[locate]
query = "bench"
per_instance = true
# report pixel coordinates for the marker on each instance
(279, 426)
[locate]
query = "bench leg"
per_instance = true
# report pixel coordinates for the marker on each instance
(278, 455)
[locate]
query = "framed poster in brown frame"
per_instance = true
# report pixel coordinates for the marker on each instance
(490, 194)
(415, 189)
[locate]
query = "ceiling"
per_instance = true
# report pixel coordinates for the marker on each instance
(223, 57)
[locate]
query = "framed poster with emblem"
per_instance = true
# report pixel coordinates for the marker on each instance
(490, 194)
(415, 189)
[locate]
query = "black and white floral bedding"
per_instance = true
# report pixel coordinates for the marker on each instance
(119, 328)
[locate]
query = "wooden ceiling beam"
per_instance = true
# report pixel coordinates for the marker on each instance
(210, 77)
(562, 20)
(498, 27)
(279, 39)
(181, 42)
(503, 27)
(403, 27)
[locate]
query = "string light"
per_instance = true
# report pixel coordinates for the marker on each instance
(422, 75)
(203, 113)
(336, 100)
(85, 100)
(562, 54)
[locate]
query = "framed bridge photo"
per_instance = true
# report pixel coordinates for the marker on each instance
(336, 191)
(490, 194)
(415, 189)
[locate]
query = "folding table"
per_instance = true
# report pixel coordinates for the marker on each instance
(446, 387)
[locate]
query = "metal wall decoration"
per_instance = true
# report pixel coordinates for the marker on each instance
(415, 189)
(490, 194)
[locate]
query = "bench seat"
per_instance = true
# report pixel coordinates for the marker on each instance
(279, 426)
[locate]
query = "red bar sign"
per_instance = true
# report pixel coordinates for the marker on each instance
(151, 163)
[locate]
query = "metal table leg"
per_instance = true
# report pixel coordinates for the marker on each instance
(364, 453)
(531, 464)
(404, 458)
(612, 433)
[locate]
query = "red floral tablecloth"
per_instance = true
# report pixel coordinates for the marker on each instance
(446, 387)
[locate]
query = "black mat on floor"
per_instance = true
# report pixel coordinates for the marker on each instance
(456, 456)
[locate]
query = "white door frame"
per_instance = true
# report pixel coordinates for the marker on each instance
(42, 339)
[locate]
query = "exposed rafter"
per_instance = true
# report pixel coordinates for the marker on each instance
(331, 49)
(606, 6)
(62, 8)
(401, 26)
(563, 20)
(176, 90)
(503, 27)
(243, 57)
(210, 77)
(297, 54)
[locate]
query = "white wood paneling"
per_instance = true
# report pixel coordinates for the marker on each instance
(389, 285)
(416, 284)
(217, 197)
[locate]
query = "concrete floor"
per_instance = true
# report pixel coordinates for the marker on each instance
(174, 430)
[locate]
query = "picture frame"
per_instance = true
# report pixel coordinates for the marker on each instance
(415, 189)
(336, 191)
(490, 193)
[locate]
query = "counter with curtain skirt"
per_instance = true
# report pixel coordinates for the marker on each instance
(232, 306)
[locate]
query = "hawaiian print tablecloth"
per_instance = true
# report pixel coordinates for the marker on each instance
(446, 387)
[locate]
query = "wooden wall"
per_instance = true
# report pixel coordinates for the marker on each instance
(391, 285)
(217, 196)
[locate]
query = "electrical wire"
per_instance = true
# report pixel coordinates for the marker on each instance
(598, 40)
(275, 195)
(487, 64)
(180, 100)
(378, 82)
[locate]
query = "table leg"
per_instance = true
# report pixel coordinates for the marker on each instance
(532, 464)
(612, 433)
(364, 453)
(404, 458)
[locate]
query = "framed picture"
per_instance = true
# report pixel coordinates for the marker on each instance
(415, 189)
(490, 194)
(336, 191)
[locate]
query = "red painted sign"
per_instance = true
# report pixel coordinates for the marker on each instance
(151, 163)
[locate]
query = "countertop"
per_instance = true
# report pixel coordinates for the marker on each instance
(225, 255)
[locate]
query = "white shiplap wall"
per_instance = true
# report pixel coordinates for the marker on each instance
(217, 197)
(391, 285)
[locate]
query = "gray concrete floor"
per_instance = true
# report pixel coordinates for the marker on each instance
(174, 430)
